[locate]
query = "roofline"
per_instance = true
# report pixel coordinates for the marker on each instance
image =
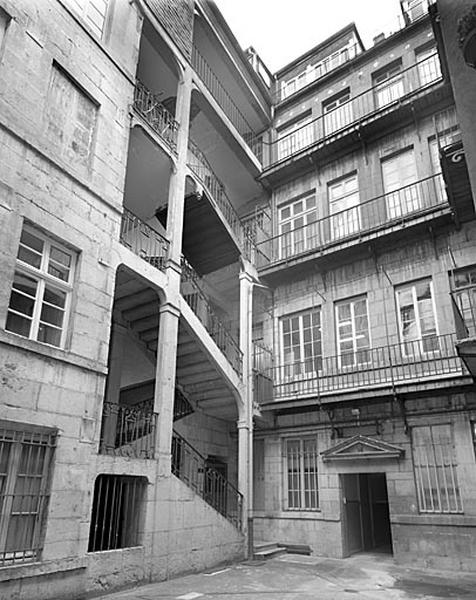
(234, 42)
(351, 27)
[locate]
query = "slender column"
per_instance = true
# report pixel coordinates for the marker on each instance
(245, 423)
(170, 311)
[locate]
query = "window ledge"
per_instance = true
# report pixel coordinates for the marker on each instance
(11, 339)
(37, 569)
(451, 520)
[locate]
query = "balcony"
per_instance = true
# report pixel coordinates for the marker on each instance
(390, 210)
(198, 301)
(154, 113)
(128, 430)
(391, 366)
(226, 103)
(464, 311)
(384, 99)
(144, 241)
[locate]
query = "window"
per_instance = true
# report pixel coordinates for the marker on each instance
(294, 137)
(301, 466)
(26, 457)
(436, 470)
(298, 226)
(93, 12)
(415, 9)
(344, 207)
(416, 318)
(116, 512)
(71, 120)
(428, 64)
(301, 343)
(388, 85)
(337, 113)
(41, 290)
(464, 291)
(353, 339)
(402, 193)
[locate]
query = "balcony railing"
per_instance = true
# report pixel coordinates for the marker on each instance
(464, 311)
(199, 164)
(198, 301)
(144, 241)
(224, 100)
(380, 98)
(408, 362)
(392, 208)
(128, 430)
(157, 116)
(262, 372)
(192, 468)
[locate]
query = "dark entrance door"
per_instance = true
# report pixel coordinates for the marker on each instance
(366, 513)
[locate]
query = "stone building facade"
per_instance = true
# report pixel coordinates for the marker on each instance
(125, 409)
(367, 246)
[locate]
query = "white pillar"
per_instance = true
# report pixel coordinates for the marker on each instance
(170, 310)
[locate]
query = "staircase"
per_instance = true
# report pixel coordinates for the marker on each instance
(265, 550)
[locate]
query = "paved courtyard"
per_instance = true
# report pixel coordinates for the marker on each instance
(294, 577)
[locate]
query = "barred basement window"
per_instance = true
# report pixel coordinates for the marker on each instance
(116, 513)
(435, 469)
(26, 458)
(302, 483)
(41, 289)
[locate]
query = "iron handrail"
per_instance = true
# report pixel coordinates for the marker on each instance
(128, 430)
(142, 240)
(157, 116)
(199, 303)
(411, 360)
(381, 211)
(192, 468)
(224, 100)
(355, 109)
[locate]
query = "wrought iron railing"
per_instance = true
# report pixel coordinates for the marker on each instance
(157, 116)
(198, 301)
(198, 163)
(464, 311)
(411, 361)
(192, 468)
(128, 430)
(144, 241)
(389, 209)
(223, 98)
(384, 97)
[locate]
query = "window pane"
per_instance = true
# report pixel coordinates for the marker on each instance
(54, 296)
(26, 285)
(49, 335)
(53, 316)
(22, 304)
(29, 256)
(31, 241)
(19, 325)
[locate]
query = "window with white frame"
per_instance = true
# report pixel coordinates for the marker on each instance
(26, 457)
(41, 291)
(301, 343)
(301, 463)
(338, 112)
(402, 191)
(93, 12)
(428, 64)
(388, 85)
(353, 337)
(298, 228)
(294, 137)
(463, 284)
(344, 207)
(434, 461)
(417, 318)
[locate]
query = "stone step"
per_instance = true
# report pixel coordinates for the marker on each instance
(271, 551)
(264, 550)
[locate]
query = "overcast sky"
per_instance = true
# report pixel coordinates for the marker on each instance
(281, 30)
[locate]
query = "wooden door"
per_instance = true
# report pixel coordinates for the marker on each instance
(352, 513)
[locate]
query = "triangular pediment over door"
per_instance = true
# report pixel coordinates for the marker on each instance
(361, 446)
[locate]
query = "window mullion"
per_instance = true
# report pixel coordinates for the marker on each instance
(35, 323)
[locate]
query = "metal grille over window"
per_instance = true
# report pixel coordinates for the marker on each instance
(302, 482)
(435, 470)
(25, 463)
(117, 504)
(41, 289)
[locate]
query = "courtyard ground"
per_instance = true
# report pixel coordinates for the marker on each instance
(295, 577)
